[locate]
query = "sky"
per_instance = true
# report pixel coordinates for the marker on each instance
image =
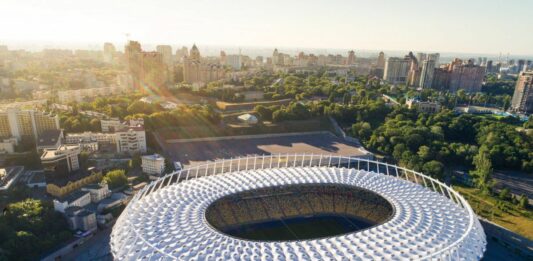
(465, 26)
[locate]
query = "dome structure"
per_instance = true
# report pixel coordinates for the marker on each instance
(427, 219)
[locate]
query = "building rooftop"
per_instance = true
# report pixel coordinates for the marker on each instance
(49, 138)
(49, 154)
(153, 157)
(73, 196)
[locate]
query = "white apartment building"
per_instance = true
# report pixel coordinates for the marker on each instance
(132, 139)
(81, 219)
(396, 70)
(97, 191)
(77, 198)
(26, 123)
(153, 164)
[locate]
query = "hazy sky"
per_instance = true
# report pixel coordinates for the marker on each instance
(473, 26)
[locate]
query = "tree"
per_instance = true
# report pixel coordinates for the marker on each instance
(264, 113)
(433, 168)
(483, 170)
(95, 125)
(116, 178)
(29, 228)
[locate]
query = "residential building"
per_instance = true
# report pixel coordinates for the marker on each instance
(234, 61)
(396, 70)
(434, 57)
(26, 123)
(413, 75)
(80, 218)
(125, 137)
(97, 191)
(197, 72)
(441, 79)
(523, 93)
(153, 164)
(166, 53)
(61, 161)
(381, 61)
(468, 77)
(426, 75)
(131, 140)
(109, 52)
(351, 58)
(75, 138)
(77, 198)
(146, 68)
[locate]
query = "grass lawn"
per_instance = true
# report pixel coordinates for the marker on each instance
(513, 218)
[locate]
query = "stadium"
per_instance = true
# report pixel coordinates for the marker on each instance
(297, 207)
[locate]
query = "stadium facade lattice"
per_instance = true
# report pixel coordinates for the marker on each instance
(190, 214)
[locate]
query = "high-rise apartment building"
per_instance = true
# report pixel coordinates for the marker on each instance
(109, 52)
(351, 58)
(434, 57)
(396, 70)
(381, 61)
(468, 77)
(26, 123)
(523, 93)
(195, 71)
(166, 52)
(426, 74)
(146, 68)
(234, 61)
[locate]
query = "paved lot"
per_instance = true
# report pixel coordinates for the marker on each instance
(191, 153)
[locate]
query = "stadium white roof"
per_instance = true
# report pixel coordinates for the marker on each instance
(170, 222)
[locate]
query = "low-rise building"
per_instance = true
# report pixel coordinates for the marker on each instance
(153, 164)
(115, 200)
(61, 161)
(426, 107)
(80, 219)
(77, 198)
(7, 146)
(110, 125)
(97, 191)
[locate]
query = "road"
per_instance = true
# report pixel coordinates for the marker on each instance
(517, 183)
(96, 248)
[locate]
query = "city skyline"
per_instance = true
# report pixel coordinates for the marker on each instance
(462, 27)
